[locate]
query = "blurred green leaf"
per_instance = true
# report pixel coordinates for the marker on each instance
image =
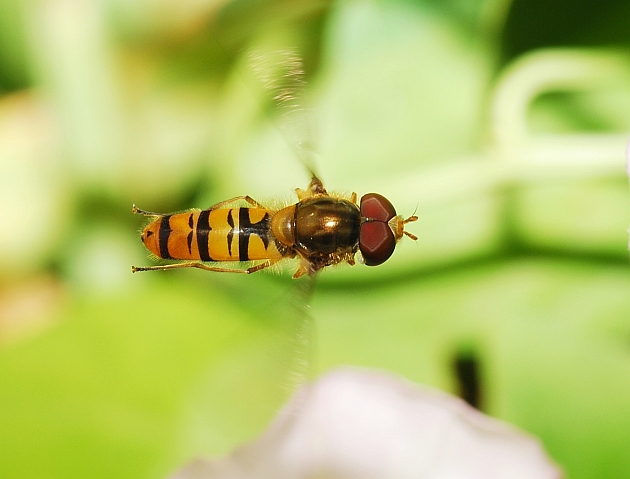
(550, 336)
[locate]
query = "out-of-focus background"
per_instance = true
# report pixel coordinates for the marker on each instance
(502, 123)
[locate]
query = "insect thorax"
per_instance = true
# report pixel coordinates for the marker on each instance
(325, 226)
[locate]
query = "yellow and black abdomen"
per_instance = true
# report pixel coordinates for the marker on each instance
(226, 234)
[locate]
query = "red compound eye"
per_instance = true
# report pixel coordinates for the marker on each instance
(376, 242)
(375, 207)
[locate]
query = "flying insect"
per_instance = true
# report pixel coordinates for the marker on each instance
(321, 230)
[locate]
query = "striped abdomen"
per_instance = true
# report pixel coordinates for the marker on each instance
(230, 234)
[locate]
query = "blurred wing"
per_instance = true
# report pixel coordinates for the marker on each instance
(261, 365)
(293, 324)
(280, 73)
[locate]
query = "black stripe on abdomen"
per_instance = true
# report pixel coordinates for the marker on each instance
(189, 238)
(230, 235)
(203, 231)
(163, 235)
(243, 235)
(247, 228)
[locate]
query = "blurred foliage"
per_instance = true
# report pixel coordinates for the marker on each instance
(503, 123)
(534, 24)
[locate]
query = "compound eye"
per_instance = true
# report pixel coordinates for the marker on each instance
(376, 242)
(375, 207)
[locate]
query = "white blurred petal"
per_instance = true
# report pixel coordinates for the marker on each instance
(363, 424)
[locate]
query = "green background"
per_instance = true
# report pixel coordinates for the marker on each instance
(503, 124)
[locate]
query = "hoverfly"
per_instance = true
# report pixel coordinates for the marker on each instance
(320, 229)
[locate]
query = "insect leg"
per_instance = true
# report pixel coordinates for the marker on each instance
(135, 269)
(253, 269)
(260, 266)
(138, 211)
(315, 188)
(305, 267)
(246, 198)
